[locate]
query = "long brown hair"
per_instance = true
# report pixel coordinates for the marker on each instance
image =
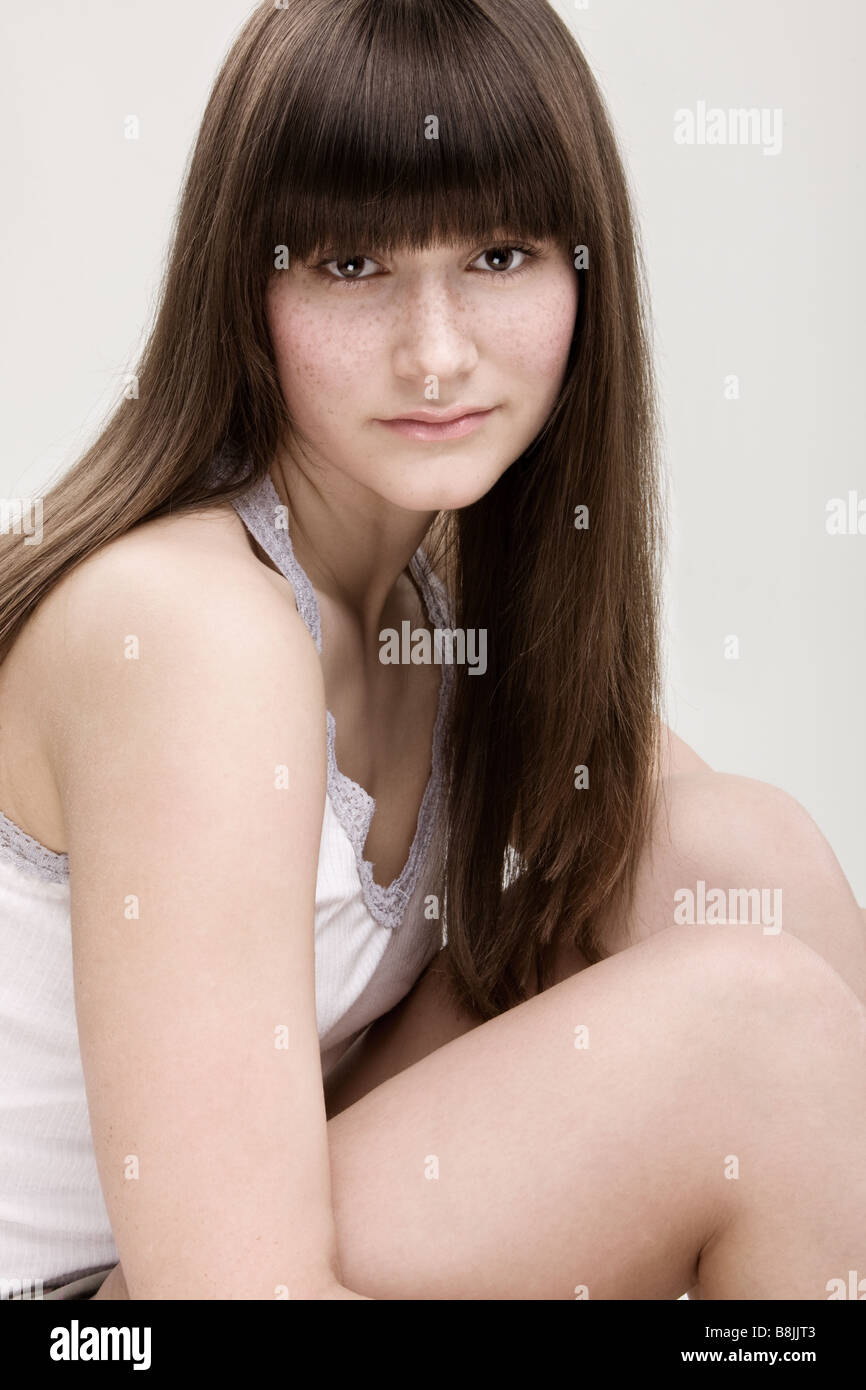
(395, 124)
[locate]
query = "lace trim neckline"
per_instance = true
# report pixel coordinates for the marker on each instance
(259, 508)
(20, 848)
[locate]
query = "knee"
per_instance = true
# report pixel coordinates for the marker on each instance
(720, 825)
(761, 989)
(723, 848)
(752, 849)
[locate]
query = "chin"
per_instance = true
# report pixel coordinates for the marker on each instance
(443, 486)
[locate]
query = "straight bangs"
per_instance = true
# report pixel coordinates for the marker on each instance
(404, 125)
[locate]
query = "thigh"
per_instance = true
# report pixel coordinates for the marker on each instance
(426, 1019)
(574, 1143)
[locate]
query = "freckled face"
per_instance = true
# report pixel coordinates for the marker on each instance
(361, 344)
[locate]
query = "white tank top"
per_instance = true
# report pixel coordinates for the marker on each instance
(371, 944)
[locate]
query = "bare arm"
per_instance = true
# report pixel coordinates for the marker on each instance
(191, 769)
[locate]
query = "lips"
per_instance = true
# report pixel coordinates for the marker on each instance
(432, 425)
(441, 417)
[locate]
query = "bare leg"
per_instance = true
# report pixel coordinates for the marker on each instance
(610, 1168)
(512, 1164)
(729, 1029)
(726, 830)
(737, 832)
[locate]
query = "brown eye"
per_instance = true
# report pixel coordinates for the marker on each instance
(504, 259)
(500, 257)
(350, 268)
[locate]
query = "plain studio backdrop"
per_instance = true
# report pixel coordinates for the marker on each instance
(756, 275)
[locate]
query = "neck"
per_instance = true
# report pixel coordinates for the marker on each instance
(352, 543)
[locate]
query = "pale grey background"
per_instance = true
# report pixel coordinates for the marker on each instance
(755, 269)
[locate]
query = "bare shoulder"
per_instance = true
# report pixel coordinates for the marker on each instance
(169, 588)
(171, 574)
(185, 550)
(183, 598)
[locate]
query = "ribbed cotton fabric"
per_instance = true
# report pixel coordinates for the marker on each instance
(371, 944)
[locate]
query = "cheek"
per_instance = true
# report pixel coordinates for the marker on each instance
(532, 334)
(317, 360)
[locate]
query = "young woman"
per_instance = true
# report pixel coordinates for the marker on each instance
(398, 400)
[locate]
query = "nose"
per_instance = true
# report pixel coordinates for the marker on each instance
(433, 334)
